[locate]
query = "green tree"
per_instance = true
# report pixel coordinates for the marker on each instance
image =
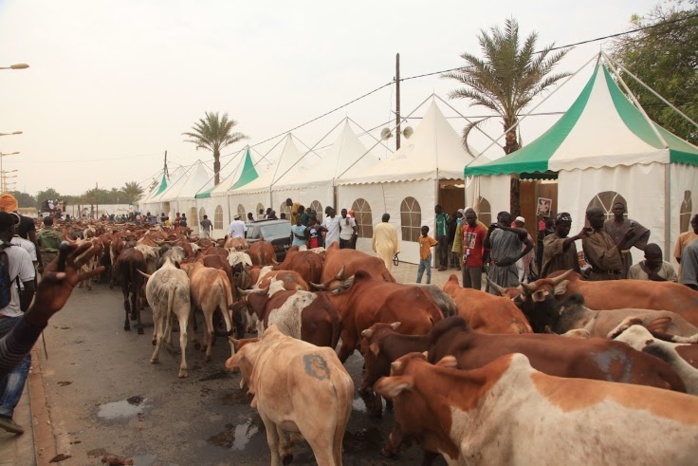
(665, 57)
(132, 191)
(214, 132)
(24, 199)
(509, 76)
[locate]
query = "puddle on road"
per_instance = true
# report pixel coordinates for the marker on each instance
(124, 409)
(235, 437)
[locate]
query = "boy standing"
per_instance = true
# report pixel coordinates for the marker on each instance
(426, 242)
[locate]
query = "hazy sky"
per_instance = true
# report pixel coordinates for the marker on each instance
(113, 84)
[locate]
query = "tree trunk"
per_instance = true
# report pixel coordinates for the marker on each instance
(512, 144)
(216, 167)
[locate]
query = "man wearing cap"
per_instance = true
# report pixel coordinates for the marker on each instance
(237, 228)
(506, 245)
(559, 250)
(653, 267)
(20, 270)
(26, 228)
(618, 227)
(49, 241)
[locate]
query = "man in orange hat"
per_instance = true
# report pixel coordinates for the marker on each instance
(26, 228)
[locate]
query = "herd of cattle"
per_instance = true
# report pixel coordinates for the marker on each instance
(556, 371)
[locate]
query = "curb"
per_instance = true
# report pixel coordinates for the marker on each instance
(42, 431)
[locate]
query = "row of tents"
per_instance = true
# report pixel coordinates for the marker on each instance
(603, 149)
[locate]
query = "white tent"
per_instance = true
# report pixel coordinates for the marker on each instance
(312, 180)
(601, 150)
(406, 185)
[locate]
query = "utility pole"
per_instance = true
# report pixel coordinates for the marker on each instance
(167, 175)
(97, 200)
(397, 101)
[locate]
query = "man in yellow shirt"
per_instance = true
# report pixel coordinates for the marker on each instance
(294, 210)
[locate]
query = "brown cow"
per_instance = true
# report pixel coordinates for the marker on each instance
(238, 244)
(626, 294)
(343, 263)
(485, 312)
(595, 358)
(262, 253)
(126, 268)
(291, 280)
(371, 300)
(307, 263)
(300, 314)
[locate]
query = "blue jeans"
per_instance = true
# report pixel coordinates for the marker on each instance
(424, 264)
(12, 385)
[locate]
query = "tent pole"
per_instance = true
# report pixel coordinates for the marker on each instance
(667, 209)
(654, 93)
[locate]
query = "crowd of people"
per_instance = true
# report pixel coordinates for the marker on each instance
(504, 250)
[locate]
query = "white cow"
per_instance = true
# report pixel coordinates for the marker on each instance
(168, 294)
(297, 387)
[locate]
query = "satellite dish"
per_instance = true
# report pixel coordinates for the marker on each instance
(386, 133)
(407, 132)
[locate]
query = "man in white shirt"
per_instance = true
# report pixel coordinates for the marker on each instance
(347, 230)
(331, 223)
(237, 228)
(20, 267)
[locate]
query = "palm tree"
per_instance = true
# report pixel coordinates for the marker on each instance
(132, 191)
(214, 132)
(508, 78)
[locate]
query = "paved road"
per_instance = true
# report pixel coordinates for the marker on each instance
(106, 398)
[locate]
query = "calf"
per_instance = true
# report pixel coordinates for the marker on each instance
(168, 293)
(595, 358)
(297, 387)
(508, 413)
(126, 268)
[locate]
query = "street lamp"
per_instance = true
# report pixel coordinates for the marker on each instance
(16, 66)
(11, 134)
(1, 170)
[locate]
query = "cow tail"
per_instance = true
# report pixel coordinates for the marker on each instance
(170, 305)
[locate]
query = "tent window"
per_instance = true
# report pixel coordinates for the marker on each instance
(202, 212)
(193, 220)
(317, 208)
(605, 201)
(686, 210)
(410, 219)
(484, 213)
(218, 218)
(364, 218)
(260, 211)
(241, 213)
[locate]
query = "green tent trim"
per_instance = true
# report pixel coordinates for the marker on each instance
(248, 172)
(163, 185)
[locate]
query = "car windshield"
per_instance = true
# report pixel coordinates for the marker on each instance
(276, 230)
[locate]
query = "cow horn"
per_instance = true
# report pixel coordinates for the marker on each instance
(340, 274)
(367, 333)
(318, 286)
(143, 273)
(499, 289)
(530, 288)
(395, 325)
(556, 280)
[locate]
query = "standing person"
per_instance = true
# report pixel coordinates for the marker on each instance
(299, 236)
(385, 243)
(559, 250)
(441, 234)
(260, 215)
(618, 227)
(523, 265)
(347, 230)
(26, 227)
(546, 227)
(469, 246)
(426, 242)
(331, 224)
(294, 210)
(250, 218)
(452, 226)
(163, 218)
(206, 227)
(268, 213)
(601, 251)
(183, 221)
(49, 240)
(689, 264)
(177, 220)
(304, 214)
(20, 268)
(653, 267)
(237, 228)
(506, 246)
(314, 233)
(685, 239)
